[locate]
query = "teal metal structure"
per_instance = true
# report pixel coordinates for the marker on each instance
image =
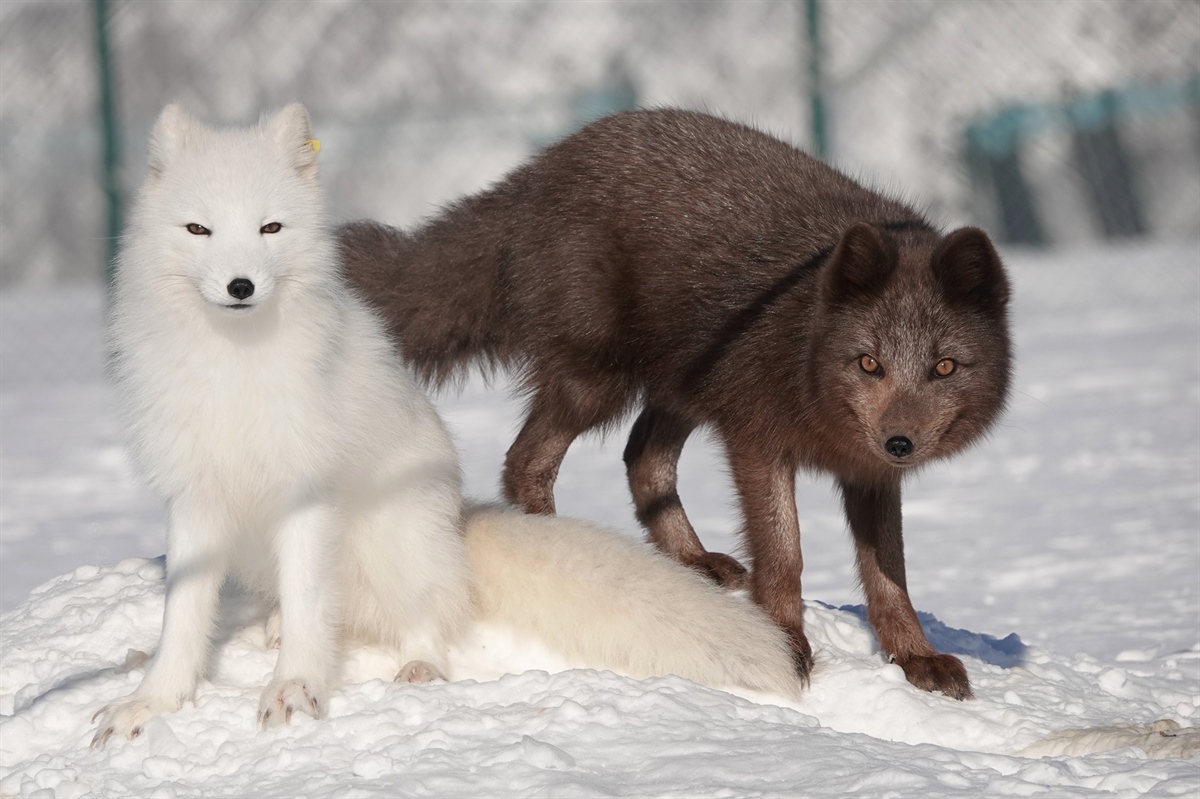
(109, 134)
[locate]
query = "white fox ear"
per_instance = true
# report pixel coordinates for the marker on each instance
(171, 133)
(292, 133)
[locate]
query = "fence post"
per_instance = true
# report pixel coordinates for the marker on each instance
(1104, 163)
(111, 153)
(816, 91)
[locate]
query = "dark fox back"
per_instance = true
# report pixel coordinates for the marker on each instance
(597, 247)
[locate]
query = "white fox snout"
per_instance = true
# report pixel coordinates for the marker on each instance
(240, 288)
(240, 292)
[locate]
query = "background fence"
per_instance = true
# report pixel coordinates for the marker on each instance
(1050, 123)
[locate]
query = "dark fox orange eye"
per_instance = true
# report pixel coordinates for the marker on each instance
(270, 227)
(198, 230)
(869, 364)
(945, 367)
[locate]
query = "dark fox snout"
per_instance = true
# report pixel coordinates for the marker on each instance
(240, 288)
(898, 447)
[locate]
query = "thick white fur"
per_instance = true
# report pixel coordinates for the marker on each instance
(296, 454)
(606, 600)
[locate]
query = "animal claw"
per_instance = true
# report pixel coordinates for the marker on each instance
(802, 657)
(280, 701)
(938, 672)
(722, 569)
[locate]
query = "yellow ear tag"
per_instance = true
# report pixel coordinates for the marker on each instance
(315, 144)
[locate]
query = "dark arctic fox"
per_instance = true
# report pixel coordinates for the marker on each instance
(714, 275)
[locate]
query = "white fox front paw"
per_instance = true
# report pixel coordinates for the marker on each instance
(127, 718)
(281, 699)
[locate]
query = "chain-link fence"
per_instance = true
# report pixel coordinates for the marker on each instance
(1049, 122)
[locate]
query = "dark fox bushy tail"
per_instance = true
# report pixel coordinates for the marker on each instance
(438, 289)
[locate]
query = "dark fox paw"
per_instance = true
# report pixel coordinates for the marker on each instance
(721, 569)
(802, 657)
(944, 673)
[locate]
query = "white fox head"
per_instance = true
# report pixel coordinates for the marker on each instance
(232, 212)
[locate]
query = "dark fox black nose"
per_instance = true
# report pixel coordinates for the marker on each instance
(240, 288)
(898, 447)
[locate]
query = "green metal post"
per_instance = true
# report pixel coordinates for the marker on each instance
(816, 90)
(109, 136)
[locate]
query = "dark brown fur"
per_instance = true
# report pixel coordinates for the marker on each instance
(714, 275)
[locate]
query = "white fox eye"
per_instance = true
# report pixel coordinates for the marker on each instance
(945, 367)
(869, 364)
(270, 227)
(198, 230)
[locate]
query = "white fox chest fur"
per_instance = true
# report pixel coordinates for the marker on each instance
(242, 414)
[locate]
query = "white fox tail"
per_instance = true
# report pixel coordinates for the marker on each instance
(610, 602)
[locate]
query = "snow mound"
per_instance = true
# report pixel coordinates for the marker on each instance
(515, 723)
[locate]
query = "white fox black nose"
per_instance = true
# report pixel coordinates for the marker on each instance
(898, 447)
(240, 288)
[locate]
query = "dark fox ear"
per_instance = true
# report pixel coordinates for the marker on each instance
(967, 266)
(861, 264)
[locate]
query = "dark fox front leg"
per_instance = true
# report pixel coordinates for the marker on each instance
(651, 461)
(767, 490)
(873, 512)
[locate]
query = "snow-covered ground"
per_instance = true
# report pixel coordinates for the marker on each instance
(1060, 559)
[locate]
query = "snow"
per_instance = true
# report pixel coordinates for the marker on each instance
(1060, 560)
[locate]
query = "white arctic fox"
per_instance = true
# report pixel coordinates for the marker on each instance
(266, 406)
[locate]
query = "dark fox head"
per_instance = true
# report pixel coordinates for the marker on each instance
(911, 351)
